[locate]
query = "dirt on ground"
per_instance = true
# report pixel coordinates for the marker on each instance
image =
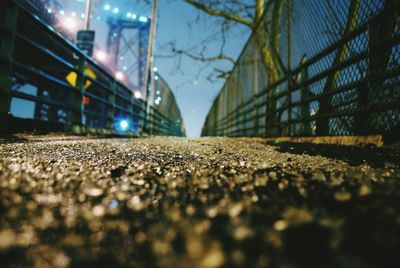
(208, 202)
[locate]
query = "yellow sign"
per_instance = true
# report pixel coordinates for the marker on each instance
(73, 76)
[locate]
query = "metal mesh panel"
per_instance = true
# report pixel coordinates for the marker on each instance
(165, 103)
(315, 67)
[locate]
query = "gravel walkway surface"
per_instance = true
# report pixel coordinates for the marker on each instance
(209, 202)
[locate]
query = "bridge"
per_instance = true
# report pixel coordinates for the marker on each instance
(298, 165)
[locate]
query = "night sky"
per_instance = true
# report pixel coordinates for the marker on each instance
(194, 93)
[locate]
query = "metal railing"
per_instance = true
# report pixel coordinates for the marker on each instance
(346, 80)
(46, 78)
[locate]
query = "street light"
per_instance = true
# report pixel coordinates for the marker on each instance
(138, 94)
(107, 7)
(143, 19)
(124, 125)
(119, 75)
(69, 23)
(101, 55)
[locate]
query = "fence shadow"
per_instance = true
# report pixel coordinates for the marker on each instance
(9, 138)
(353, 155)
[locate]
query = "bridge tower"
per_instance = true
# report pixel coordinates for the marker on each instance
(127, 45)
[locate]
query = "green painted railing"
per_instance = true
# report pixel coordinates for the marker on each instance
(44, 74)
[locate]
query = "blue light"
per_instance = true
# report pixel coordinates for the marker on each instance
(157, 101)
(143, 19)
(129, 14)
(107, 7)
(134, 16)
(123, 124)
(115, 10)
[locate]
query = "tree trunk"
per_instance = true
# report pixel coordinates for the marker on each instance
(266, 45)
(325, 105)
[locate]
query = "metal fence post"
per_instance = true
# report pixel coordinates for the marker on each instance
(379, 50)
(8, 27)
(111, 100)
(130, 109)
(289, 64)
(80, 83)
(255, 91)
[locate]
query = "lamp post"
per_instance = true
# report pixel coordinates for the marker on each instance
(85, 38)
(149, 69)
(87, 14)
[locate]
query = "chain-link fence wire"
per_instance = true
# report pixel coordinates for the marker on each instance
(164, 101)
(315, 67)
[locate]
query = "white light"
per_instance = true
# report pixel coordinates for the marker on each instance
(101, 55)
(115, 10)
(107, 7)
(155, 69)
(158, 92)
(73, 14)
(119, 75)
(62, 13)
(49, 10)
(134, 16)
(129, 14)
(143, 19)
(82, 15)
(124, 68)
(69, 23)
(138, 94)
(156, 77)
(123, 124)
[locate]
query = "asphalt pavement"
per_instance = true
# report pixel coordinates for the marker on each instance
(211, 202)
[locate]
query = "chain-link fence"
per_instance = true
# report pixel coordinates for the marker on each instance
(165, 103)
(315, 68)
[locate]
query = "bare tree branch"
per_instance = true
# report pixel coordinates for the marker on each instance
(200, 57)
(220, 13)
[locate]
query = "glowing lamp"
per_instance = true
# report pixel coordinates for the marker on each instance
(119, 75)
(69, 23)
(123, 124)
(101, 55)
